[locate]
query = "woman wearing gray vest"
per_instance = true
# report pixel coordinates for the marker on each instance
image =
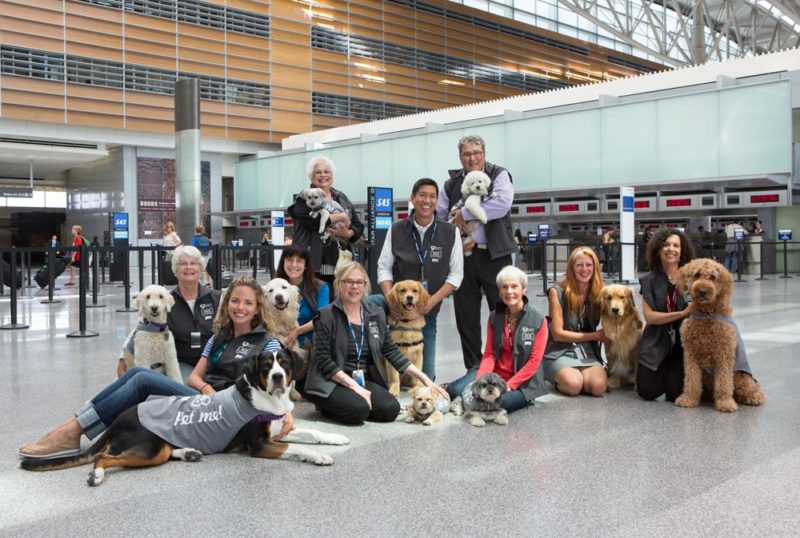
(306, 228)
(516, 337)
(241, 331)
(572, 359)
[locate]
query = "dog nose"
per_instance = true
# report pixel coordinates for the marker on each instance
(277, 377)
(615, 311)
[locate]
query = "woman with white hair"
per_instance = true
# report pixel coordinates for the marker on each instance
(324, 255)
(516, 337)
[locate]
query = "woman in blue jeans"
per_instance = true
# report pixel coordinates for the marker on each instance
(240, 318)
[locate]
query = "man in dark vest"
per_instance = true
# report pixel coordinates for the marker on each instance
(494, 242)
(427, 250)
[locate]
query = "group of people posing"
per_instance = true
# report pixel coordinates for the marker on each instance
(347, 329)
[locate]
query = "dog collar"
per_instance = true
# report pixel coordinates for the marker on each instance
(152, 326)
(409, 344)
(267, 417)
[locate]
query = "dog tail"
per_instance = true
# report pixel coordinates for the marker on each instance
(65, 462)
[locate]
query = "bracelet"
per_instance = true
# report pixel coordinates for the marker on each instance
(201, 388)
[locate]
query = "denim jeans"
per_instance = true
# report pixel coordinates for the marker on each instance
(511, 400)
(428, 336)
(732, 261)
(132, 388)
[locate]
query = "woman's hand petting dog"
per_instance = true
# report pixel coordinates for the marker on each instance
(286, 427)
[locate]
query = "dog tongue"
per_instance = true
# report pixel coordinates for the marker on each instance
(409, 307)
(281, 306)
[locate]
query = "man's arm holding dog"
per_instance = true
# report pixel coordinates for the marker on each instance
(454, 276)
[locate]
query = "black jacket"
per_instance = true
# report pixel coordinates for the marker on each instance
(182, 322)
(332, 340)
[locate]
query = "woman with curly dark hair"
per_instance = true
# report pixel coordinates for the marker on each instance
(660, 352)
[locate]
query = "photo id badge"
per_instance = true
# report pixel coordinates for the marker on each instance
(358, 377)
(672, 336)
(194, 339)
(425, 284)
(579, 352)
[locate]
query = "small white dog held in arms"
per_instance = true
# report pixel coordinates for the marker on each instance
(151, 344)
(474, 191)
(322, 206)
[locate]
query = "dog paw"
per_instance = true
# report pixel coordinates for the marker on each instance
(686, 401)
(477, 422)
(613, 384)
(410, 420)
(322, 459)
(756, 398)
(192, 455)
(726, 405)
(501, 419)
(335, 439)
(95, 477)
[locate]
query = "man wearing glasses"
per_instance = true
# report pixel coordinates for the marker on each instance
(427, 250)
(494, 242)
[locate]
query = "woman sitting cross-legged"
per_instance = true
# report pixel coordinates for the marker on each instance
(240, 325)
(516, 337)
(350, 337)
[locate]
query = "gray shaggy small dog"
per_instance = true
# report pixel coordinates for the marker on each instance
(480, 401)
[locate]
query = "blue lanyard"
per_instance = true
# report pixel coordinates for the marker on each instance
(359, 348)
(423, 255)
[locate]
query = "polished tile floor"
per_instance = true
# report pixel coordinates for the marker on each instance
(611, 466)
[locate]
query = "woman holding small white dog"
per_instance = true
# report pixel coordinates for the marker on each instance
(516, 336)
(240, 331)
(295, 267)
(572, 358)
(324, 255)
(344, 379)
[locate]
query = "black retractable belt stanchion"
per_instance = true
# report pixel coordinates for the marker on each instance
(13, 292)
(153, 266)
(95, 281)
(51, 260)
(160, 266)
(544, 268)
(271, 260)
(255, 255)
(785, 262)
(83, 269)
(141, 269)
(126, 270)
(761, 263)
(215, 258)
(739, 262)
(29, 280)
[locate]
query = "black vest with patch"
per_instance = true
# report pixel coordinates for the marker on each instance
(225, 367)
(437, 263)
(499, 235)
(525, 335)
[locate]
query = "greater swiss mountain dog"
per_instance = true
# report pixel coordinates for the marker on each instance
(235, 419)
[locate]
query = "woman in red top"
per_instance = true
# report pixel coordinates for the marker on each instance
(515, 340)
(77, 240)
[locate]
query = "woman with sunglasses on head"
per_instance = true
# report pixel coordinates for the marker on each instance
(350, 337)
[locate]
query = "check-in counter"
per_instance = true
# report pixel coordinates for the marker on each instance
(753, 253)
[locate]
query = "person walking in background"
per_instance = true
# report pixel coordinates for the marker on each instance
(171, 238)
(77, 241)
(732, 246)
(494, 242)
(203, 243)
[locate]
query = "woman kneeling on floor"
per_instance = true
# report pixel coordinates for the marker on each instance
(516, 337)
(241, 318)
(350, 337)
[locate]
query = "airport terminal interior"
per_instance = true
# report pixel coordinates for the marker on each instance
(613, 117)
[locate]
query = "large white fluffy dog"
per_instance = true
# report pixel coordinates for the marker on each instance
(283, 301)
(322, 206)
(474, 191)
(151, 344)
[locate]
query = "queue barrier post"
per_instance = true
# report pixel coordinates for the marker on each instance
(13, 292)
(761, 263)
(739, 261)
(51, 277)
(83, 270)
(95, 280)
(140, 252)
(126, 283)
(785, 260)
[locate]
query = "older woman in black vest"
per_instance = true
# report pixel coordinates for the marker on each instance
(324, 255)
(350, 338)
(516, 337)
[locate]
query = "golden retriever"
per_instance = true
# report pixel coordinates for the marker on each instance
(709, 340)
(407, 296)
(622, 326)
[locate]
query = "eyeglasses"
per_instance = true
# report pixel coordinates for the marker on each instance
(351, 282)
(471, 154)
(188, 264)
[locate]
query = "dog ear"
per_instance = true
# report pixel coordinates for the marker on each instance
(424, 296)
(170, 301)
(298, 364)
(684, 275)
(631, 300)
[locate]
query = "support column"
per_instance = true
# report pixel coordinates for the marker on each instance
(187, 157)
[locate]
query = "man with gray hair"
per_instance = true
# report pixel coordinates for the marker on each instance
(494, 241)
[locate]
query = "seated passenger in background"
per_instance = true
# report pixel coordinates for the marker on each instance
(572, 359)
(295, 266)
(344, 380)
(516, 336)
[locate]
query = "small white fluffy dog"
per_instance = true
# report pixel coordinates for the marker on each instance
(151, 344)
(283, 302)
(322, 206)
(474, 190)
